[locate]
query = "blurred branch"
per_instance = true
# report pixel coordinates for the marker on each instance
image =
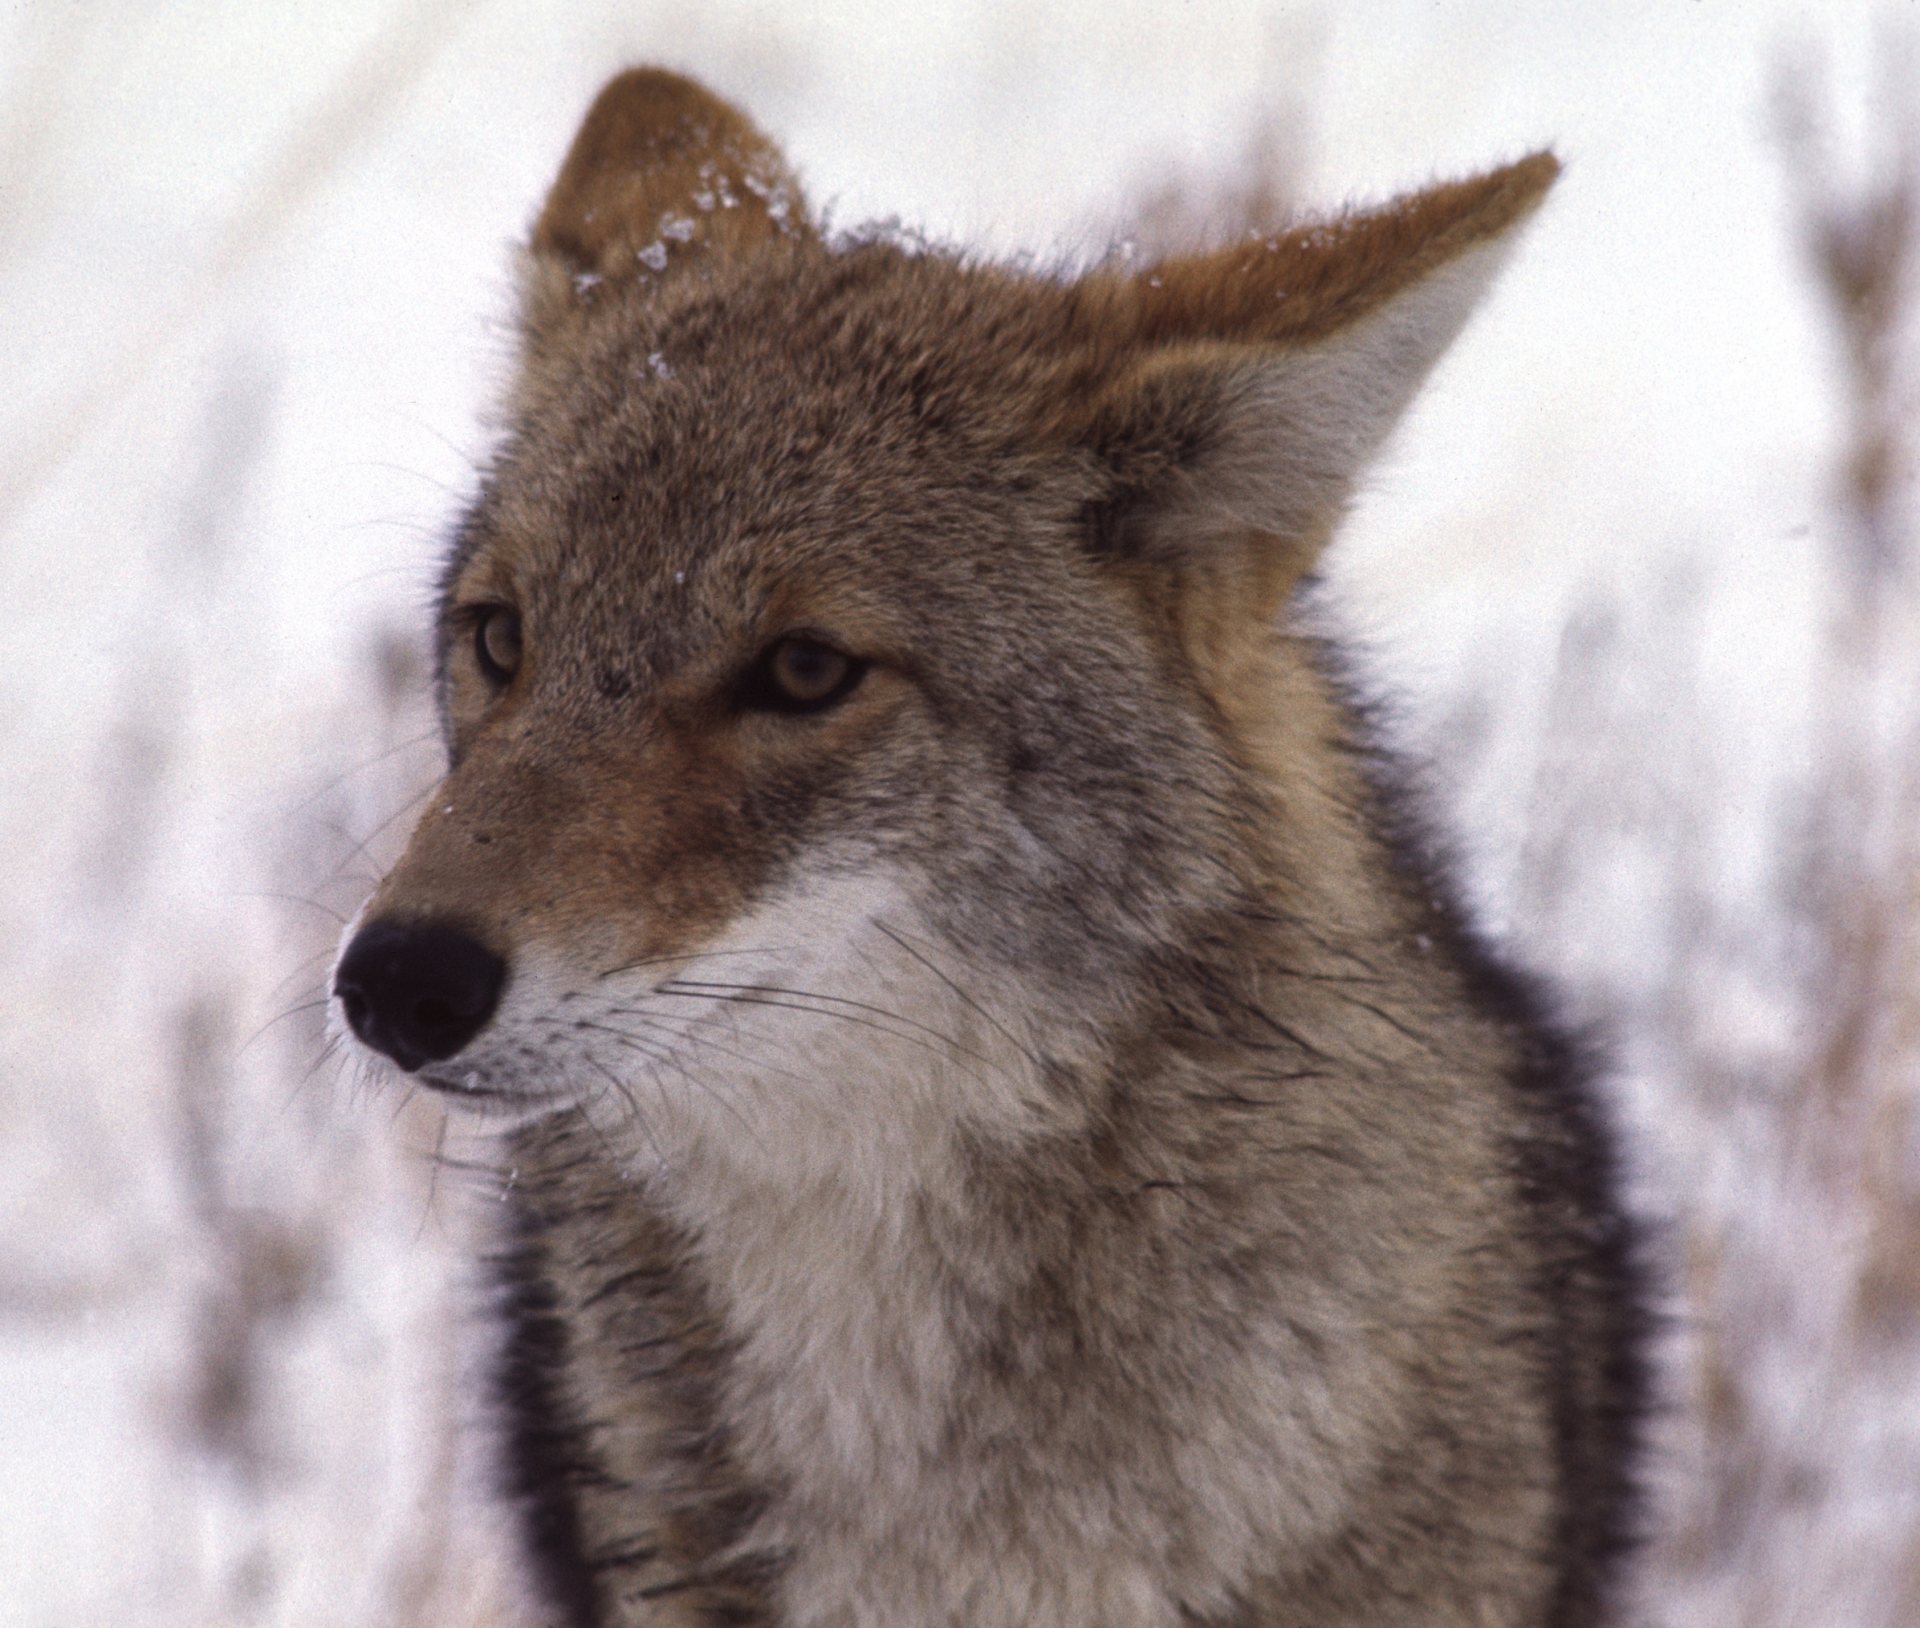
(263, 1264)
(1186, 207)
(1774, 1028)
(1181, 210)
(1801, 1293)
(1861, 243)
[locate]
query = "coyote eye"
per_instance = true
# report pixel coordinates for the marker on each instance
(496, 643)
(799, 674)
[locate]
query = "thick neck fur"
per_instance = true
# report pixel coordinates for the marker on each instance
(1005, 1132)
(1171, 1317)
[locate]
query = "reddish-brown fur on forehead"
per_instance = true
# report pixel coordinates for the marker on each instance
(916, 455)
(804, 404)
(655, 147)
(1163, 1180)
(989, 323)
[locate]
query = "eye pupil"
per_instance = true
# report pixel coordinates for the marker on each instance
(800, 674)
(496, 643)
(808, 671)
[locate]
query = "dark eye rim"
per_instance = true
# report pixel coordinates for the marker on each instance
(480, 619)
(760, 689)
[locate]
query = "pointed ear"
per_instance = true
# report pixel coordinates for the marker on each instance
(1263, 378)
(662, 176)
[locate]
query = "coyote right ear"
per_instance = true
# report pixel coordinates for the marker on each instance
(1261, 379)
(662, 176)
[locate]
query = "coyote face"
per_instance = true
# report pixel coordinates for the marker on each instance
(782, 687)
(1069, 1152)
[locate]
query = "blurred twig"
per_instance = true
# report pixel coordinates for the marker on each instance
(1181, 210)
(1860, 240)
(1804, 1296)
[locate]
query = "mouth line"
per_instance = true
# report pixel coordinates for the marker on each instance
(488, 1101)
(464, 1089)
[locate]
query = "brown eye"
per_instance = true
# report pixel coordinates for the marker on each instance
(496, 644)
(799, 674)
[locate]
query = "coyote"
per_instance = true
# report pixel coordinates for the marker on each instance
(999, 1120)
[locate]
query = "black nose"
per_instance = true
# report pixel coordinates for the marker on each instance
(418, 991)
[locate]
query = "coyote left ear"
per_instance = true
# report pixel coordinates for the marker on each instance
(662, 176)
(1263, 378)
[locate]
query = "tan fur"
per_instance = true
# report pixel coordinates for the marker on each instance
(1029, 1143)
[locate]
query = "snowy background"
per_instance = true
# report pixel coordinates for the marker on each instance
(1639, 570)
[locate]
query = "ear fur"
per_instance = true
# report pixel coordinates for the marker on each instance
(662, 176)
(1264, 378)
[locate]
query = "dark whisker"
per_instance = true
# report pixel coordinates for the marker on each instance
(705, 1042)
(340, 779)
(600, 1136)
(299, 971)
(361, 848)
(631, 1042)
(748, 994)
(693, 955)
(671, 1059)
(1002, 1029)
(686, 1073)
(633, 1109)
(295, 898)
(281, 1017)
(328, 1052)
(433, 1178)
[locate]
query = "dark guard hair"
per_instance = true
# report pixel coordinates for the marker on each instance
(1008, 1124)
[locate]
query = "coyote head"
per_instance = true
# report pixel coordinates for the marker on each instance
(859, 668)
